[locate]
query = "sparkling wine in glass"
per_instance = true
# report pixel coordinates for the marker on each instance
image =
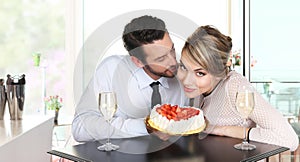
(245, 105)
(108, 107)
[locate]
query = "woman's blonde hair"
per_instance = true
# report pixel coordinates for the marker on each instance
(209, 48)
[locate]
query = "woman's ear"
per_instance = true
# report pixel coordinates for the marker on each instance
(137, 62)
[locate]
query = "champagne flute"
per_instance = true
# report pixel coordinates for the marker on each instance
(108, 107)
(245, 105)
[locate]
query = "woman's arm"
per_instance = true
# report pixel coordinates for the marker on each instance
(230, 131)
(271, 126)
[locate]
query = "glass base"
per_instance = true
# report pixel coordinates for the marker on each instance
(108, 147)
(244, 146)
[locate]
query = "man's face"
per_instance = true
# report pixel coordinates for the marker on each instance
(160, 58)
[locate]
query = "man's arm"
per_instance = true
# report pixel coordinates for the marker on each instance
(89, 124)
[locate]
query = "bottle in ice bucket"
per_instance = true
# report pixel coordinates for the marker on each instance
(36, 59)
(2, 99)
(15, 95)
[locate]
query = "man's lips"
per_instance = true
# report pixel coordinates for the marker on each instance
(173, 69)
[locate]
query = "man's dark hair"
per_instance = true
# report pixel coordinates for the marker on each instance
(140, 31)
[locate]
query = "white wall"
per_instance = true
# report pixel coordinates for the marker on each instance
(203, 12)
(97, 14)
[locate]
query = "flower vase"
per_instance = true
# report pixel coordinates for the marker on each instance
(266, 88)
(56, 117)
(238, 69)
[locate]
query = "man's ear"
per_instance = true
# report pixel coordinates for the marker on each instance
(137, 62)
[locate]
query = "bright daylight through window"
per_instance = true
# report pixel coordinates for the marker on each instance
(28, 27)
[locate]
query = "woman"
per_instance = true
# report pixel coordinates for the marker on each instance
(204, 75)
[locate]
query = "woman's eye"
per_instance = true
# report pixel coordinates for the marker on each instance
(200, 74)
(182, 67)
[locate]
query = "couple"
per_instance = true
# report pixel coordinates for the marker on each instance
(202, 73)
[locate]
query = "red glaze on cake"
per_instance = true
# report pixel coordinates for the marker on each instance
(176, 113)
(173, 119)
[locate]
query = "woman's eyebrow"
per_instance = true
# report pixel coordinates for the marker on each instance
(181, 63)
(199, 69)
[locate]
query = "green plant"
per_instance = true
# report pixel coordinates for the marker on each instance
(53, 102)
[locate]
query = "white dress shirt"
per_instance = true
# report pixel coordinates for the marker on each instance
(132, 85)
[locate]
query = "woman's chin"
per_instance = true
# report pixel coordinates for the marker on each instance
(191, 95)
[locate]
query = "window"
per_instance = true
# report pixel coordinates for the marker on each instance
(274, 38)
(28, 27)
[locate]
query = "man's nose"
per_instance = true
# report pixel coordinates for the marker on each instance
(172, 60)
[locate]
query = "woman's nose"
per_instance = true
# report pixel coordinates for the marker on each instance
(188, 78)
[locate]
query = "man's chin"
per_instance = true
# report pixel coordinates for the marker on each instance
(170, 74)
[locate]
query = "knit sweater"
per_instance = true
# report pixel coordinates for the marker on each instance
(268, 124)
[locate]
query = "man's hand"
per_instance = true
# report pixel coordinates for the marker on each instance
(161, 135)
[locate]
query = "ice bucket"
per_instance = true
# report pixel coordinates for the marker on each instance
(2, 99)
(15, 89)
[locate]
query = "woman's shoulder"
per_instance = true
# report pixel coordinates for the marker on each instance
(235, 76)
(234, 80)
(233, 73)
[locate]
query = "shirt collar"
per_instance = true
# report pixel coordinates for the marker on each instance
(144, 80)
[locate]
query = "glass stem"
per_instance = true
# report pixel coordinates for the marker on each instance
(109, 123)
(245, 134)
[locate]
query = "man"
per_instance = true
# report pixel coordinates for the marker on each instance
(151, 58)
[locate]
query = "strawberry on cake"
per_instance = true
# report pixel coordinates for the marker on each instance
(176, 120)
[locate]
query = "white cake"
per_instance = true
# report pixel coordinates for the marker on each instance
(175, 120)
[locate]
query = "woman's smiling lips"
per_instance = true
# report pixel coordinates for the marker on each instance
(186, 89)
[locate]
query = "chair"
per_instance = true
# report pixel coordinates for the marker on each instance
(291, 95)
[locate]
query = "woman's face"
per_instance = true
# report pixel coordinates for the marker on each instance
(194, 78)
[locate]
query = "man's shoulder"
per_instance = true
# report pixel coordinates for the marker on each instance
(114, 58)
(113, 62)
